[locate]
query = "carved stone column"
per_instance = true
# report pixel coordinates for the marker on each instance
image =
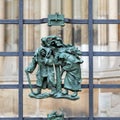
(84, 28)
(36, 27)
(101, 35)
(113, 30)
(2, 15)
(55, 7)
(77, 27)
(44, 14)
(76, 9)
(29, 29)
(2, 38)
(102, 28)
(119, 24)
(67, 8)
(95, 27)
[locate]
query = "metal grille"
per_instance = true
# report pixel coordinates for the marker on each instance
(90, 54)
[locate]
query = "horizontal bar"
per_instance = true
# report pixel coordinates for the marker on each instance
(66, 20)
(9, 86)
(106, 118)
(42, 21)
(35, 21)
(9, 21)
(71, 118)
(9, 53)
(94, 21)
(9, 118)
(106, 53)
(32, 53)
(75, 21)
(83, 53)
(106, 85)
(16, 53)
(102, 53)
(28, 53)
(33, 118)
(34, 86)
(15, 86)
(106, 21)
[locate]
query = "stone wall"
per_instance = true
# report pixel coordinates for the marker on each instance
(106, 69)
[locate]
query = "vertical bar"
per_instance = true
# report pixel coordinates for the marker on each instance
(90, 33)
(20, 60)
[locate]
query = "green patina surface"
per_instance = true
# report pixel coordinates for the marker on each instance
(56, 20)
(53, 59)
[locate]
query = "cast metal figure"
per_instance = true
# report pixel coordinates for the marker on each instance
(53, 59)
(55, 116)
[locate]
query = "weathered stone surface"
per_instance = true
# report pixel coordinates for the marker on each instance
(8, 102)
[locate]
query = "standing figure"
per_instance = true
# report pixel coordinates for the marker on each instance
(56, 45)
(45, 73)
(72, 80)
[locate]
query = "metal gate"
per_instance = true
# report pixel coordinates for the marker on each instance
(91, 86)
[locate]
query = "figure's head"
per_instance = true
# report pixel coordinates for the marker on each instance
(52, 40)
(43, 52)
(44, 42)
(73, 50)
